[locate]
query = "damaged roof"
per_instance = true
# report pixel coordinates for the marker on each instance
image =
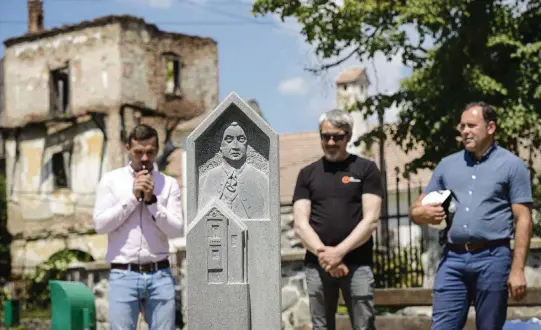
(100, 21)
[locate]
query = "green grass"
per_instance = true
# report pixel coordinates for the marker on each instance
(342, 310)
(32, 314)
(37, 314)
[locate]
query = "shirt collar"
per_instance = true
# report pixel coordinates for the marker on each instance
(228, 168)
(487, 153)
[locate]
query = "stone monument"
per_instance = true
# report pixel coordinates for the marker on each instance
(233, 233)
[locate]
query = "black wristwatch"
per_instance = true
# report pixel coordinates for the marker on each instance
(152, 201)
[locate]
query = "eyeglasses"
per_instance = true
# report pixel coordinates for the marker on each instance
(335, 137)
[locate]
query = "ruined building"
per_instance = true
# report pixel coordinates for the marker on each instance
(71, 95)
(2, 153)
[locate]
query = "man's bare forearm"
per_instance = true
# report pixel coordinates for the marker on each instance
(414, 213)
(523, 231)
(366, 227)
(360, 235)
(309, 238)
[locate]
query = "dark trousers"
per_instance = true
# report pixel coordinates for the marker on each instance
(480, 277)
(358, 292)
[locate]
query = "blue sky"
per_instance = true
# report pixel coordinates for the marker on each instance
(259, 58)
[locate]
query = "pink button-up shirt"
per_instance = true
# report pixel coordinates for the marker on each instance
(137, 233)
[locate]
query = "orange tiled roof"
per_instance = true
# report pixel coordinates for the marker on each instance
(396, 158)
(300, 149)
(296, 151)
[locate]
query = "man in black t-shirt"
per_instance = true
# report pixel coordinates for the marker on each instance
(337, 203)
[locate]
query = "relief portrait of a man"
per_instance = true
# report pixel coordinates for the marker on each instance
(240, 185)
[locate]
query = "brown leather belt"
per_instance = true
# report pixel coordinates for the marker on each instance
(142, 268)
(476, 246)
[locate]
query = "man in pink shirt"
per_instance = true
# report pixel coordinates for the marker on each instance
(140, 209)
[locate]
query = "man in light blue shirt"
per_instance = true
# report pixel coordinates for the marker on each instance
(492, 190)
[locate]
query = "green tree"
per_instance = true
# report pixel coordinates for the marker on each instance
(461, 51)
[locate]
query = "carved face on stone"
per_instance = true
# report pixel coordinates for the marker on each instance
(234, 143)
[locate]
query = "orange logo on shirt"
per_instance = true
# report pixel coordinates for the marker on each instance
(345, 179)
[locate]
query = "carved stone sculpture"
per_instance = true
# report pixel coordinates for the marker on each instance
(241, 186)
(233, 233)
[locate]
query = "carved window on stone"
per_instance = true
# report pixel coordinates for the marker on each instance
(172, 67)
(60, 91)
(60, 170)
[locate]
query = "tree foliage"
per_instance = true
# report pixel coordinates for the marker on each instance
(55, 268)
(460, 51)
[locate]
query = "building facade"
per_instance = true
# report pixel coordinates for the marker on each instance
(72, 94)
(351, 88)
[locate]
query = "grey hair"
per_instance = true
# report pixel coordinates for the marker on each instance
(338, 118)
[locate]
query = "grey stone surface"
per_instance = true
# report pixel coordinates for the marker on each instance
(233, 192)
(241, 185)
(431, 256)
(102, 326)
(289, 298)
(218, 296)
(295, 307)
(289, 239)
(102, 305)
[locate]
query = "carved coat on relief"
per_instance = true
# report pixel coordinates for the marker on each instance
(241, 186)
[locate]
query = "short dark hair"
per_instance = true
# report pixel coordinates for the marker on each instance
(489, 114)
(143, 132)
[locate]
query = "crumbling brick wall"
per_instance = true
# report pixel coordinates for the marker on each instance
(143, 49)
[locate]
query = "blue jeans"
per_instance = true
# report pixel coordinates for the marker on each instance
(464, 277)
(130, 292)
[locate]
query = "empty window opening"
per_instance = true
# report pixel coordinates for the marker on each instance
(60, 165)
(172, 75)
(60, 91)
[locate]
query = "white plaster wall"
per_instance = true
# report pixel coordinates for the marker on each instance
(94, 64)
(41, 201)
(347, 97)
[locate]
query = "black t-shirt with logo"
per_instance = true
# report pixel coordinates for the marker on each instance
(335, 191)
